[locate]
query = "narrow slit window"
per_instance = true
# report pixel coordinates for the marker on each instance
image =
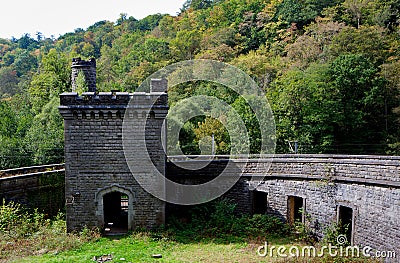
(345, 222)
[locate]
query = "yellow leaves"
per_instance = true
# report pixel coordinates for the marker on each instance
(270, 8)
(208, 130)
(217, 17)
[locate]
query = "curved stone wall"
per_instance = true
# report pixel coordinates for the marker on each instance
(368, 186)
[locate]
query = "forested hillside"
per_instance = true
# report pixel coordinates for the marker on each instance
(330, 69)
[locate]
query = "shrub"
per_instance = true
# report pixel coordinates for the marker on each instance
(303, 231)
(333, 231)
(218, 220)
(25, 234)
(10, 216)
(16, 222)
(266, 224)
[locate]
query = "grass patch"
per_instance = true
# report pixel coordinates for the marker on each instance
(140, 246)
(215, 236)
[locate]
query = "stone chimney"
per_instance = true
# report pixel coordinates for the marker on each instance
(89, 70)
(158, 85)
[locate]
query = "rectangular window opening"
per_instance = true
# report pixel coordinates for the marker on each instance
(345, 222)
(260, 202)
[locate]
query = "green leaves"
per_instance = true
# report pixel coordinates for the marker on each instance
(304, 108)
(301, 12)
(52, 81)
(45, 138)
(197, 4)
(372, 42)
(185, 45)
(329, 69)
(362, 99)
(15, 120)
(338, 105)
(211, 129)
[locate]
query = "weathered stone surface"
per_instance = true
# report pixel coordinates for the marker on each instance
(88, 68)
(375, 202)
(367, 184)
(95, 163)
(41, 190)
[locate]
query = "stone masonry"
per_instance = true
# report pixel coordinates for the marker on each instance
(95, 164)
(369, 185)
(88, 68)
(34, 190)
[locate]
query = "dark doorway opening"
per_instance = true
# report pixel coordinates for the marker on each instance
(296, 207)
(345, 222)
(260, 203)
(115, 213)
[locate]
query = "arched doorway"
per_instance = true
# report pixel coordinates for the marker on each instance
(115, 206)
(115, 209)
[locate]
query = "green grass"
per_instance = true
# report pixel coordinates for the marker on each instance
(139, 247)
(217, 237)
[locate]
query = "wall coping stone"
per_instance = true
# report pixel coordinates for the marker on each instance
(299, 158)
(376, 168)
(13, 177)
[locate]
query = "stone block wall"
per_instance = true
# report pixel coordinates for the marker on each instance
(95, 163)
(369, 185)
(88, 68)
(239, 194)
(41, 190)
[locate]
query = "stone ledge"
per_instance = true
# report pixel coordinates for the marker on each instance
(369, 171)
(12, 177)
(105, 99)
(306, 158)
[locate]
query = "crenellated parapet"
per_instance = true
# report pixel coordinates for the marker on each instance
(113, 99)
(108, 105)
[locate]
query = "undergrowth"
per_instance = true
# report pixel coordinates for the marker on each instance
(212, 233)
(24, 233)
(217, 221)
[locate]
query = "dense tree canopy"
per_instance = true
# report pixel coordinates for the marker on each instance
(330, 70)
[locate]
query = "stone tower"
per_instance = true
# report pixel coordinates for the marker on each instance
(100, 189)
(88, 68)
